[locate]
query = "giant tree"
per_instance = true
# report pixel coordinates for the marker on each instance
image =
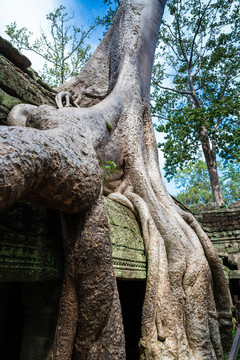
(196, 84)
(54, 161)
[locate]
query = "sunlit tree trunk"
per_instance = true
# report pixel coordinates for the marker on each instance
(208, 148)
(211, 161)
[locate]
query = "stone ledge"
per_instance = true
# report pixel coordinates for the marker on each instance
(19, 84)
(12, 54)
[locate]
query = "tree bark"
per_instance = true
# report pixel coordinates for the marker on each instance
(211, 161)
(54, 161)
(208, 151)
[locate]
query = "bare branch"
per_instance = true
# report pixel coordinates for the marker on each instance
(203, 48)
(196, 32)
(184, 92)
(169, 74)
(203, 95)
(161, 117)
(217, 124)
(197, 71)
(168, 109)
(45, 40)
(181, 41)
(170, 30)
(80, 42)
(38, 53)
(201, 54)
(225, 86)
(176, 54)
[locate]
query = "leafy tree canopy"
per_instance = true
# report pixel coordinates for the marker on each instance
(65, 51)
(199, 56)
(194, 184)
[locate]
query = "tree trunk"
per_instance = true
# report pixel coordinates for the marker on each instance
(208, 151)
(211, 161)
(54, 161)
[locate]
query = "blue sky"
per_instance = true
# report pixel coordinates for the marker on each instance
(32, 15)
(92, 8)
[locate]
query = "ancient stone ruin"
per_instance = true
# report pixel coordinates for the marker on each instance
(156, 247)
(223, 228)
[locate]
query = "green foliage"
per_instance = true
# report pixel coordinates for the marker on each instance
(65, 51)
(231, 181)
(194, 179)
(109, 127)
(195, 185)
(199, 56)
(108, 169)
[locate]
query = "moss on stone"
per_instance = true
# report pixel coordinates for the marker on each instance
(128, 248)
(109, 127)
(31, 244)
(21, 86)
(7, 100)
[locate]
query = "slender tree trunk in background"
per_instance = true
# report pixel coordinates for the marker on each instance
(208, 151)
(54, 161)
(211, 161)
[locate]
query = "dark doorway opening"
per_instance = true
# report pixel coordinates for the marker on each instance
(228, 264)
(11, 321)
(28, 315)
(132, 296)
(234, 287)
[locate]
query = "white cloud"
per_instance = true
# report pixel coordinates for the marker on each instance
(32, 15)
(27, 13)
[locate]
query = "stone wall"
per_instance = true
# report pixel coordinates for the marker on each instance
(31, 243)
(19, 83)
(223, 228)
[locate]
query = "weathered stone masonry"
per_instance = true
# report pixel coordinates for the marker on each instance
(223, 228)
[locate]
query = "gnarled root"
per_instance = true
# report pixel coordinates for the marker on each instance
(44, 163)
(64, 99)
(219, 289)
(90, 312)
(181, 313)
(19, 114)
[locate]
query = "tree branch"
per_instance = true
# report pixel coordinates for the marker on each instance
(181, 41)
(173, 90)
(46, 42)
(170, 30)
(196, 32)
(217, 124)
(225, 86)
(38, 53)
(80, 42)
(168, 109)
(160, 117)
(176, 54)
